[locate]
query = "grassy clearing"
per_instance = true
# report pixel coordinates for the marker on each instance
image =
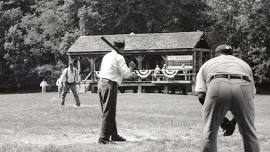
(151, 123)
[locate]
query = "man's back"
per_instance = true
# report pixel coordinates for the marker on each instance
(114, 67)
(223, 64)
(226, 64)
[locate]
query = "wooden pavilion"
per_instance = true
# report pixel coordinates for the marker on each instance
(178, 55)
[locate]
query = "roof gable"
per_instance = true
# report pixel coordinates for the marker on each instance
(147, 41)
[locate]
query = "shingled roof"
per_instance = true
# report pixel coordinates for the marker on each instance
(137, 42)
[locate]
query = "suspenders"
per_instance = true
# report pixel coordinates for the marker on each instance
(75, 70)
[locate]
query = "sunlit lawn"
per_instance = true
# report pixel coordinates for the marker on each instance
(150, 122)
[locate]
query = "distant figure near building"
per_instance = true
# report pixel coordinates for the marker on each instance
(69, 79)
(43, 85)
(163, 69)
(60, 87)
(157, 72)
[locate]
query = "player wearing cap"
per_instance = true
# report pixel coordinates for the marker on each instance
(69, 79)
(225, 83)
(112, 71)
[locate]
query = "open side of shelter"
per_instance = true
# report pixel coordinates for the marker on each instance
(178, 55)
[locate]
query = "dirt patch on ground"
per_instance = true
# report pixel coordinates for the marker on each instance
(75, 138)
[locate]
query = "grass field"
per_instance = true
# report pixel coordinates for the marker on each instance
(150, 122)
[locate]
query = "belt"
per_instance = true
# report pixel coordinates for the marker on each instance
(72, 83)
(229, 76)
(109, 81)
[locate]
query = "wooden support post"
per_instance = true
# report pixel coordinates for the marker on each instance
(69, 58)
(93, 77)
(139, 61)
(193, 81)
(79, 69)
(164, 57)
(200, 60)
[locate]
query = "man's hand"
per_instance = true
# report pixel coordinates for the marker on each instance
(228, 126)
(201, 97)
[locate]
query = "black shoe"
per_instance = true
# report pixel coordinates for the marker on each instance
(103, 141)
(62, 104)
(117, 138)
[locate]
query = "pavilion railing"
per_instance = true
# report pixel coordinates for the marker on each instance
(152, 75)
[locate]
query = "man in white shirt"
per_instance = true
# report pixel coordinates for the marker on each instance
(44, 85)
(69, 79)
(157, 72)
(59, 87)
(113, 70)
(226, 83)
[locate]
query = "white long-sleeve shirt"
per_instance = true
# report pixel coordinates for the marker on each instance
(44, 84)
(223, 64)
(69, 75)
(114, 67)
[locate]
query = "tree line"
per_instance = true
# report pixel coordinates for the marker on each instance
(35, 34)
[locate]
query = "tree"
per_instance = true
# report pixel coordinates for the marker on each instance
(245, 25)
(139, 16)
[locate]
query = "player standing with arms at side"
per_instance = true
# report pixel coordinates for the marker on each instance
(69, 79)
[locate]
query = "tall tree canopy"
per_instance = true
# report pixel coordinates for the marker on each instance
(245, 25)
(35, 34)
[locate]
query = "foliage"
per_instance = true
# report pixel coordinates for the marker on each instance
(37, 33)
(50, 72)
(245, 25)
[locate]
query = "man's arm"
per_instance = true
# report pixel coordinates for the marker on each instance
(77, 76)
(252, 82)
(227, 125)
(125, 71)
(201, 97)
(63, 76)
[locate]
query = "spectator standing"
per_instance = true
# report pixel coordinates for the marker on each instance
(44, 85)
(59, 87)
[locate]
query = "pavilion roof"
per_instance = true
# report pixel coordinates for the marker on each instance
(139, 42)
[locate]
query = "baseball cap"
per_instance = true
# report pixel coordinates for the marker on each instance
(119, 44)
(223, 48)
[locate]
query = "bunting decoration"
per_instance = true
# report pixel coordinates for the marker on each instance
(143, 73)
(169, 73)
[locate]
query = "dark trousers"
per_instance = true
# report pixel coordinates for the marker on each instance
(73, 88)
(107, 91)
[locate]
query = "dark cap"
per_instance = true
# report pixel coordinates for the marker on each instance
(119, 44)
(224, 48)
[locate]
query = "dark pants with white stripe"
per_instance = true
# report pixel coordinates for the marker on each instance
(107, 91)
